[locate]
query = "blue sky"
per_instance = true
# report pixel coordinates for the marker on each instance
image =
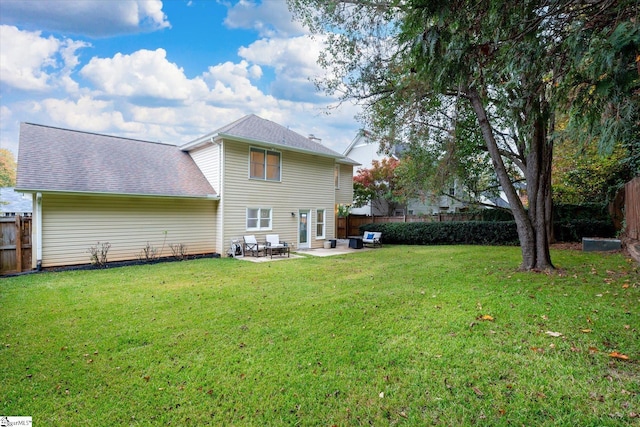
(166, 71)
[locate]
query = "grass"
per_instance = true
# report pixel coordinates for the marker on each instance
(394, 336)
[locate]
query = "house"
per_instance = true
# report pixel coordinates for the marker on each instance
(252, 176)
(364, 151)
(13, 203)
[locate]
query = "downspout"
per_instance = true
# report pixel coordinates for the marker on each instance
(38, 222)
(220, 213)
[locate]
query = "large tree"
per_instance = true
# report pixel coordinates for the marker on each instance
(379, 187)
(416, 65)
(7, 168)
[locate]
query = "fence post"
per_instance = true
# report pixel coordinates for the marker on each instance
(19, 243)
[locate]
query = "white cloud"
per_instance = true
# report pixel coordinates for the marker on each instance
(231, 84)
(87, 114)
(295, 63)
(144, 73)
(270, 18)
(98, 18)
(29, 61)
(24, 56)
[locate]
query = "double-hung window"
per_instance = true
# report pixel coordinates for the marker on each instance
(258, 218)
(320, 223)
(264, 164)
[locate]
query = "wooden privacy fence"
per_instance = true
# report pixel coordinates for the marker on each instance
(15, 246)
(349, 226)
(632, 208)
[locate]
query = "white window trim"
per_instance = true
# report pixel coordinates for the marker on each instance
(266, 151)
(324, 224)
(258, 228)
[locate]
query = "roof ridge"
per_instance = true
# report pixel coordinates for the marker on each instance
(99, 134)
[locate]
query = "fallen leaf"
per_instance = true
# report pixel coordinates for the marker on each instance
(554, 334)
(537, 349)
(593, 350)
(586, 331)
(381, 394)
(486, 317)
(625, 286)
(478, 392)
(620, 356)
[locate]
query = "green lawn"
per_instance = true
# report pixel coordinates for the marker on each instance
(394, 336)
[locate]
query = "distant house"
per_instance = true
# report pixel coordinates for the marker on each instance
(252, 176)
(364, 151)
(13, 203)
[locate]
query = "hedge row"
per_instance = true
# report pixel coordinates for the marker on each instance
(480, 232)
(561, 213)
(575, 230)
(446, 233)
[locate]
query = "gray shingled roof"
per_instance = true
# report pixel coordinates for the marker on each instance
(255, 129)
(54, 159)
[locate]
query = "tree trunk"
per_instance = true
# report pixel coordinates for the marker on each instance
(538, 177)
(531, 226)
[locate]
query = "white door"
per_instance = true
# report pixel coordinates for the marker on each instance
(304, 229)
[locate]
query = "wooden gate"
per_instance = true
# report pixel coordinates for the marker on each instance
(632, 208)
(15, 246)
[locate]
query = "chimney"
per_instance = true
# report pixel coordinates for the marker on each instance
(314, 138)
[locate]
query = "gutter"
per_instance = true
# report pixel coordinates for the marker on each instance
(104, 193)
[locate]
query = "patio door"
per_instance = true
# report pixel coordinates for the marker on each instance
(304, 229)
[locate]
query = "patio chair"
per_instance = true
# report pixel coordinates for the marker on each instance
(277, 246)
(372, 238)
(251, 246)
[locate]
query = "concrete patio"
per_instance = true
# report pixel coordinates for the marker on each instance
(342, 247)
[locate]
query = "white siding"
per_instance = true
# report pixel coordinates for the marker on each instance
(344, 194)
(307, 183)
(208, 160)
(73, 223)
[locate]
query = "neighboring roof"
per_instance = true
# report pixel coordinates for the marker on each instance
(13, 202)
(364, 137)
(256, 130)
(62, 160)
(360, 136)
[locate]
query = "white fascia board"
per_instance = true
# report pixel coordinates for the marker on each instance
(98, 193)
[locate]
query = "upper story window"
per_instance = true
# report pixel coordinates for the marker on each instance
(264, 164)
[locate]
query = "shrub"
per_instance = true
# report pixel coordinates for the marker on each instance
(99, 253)
(447, 233)
(148, 253)
(481, 232)
(179, 251)
(575, 230)
(586, 211)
